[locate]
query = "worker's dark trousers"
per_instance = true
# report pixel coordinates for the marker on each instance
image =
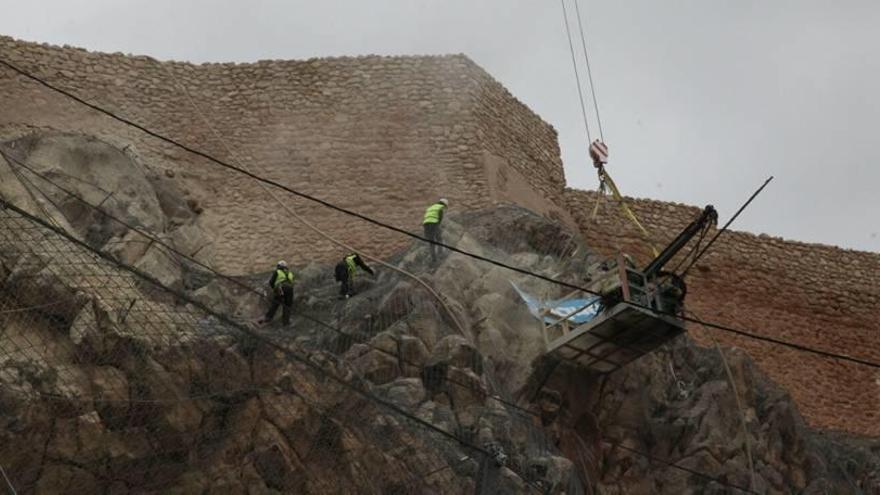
(432, 233)
(346, 286)
(285, 300)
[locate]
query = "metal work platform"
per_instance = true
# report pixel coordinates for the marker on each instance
(633, 317)
(624, 313)
(614, 338)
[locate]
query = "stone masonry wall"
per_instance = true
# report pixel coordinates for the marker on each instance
(820, 296)
(383, 136)
(506, 128)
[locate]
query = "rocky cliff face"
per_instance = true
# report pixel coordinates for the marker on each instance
(111, 383)
(678, 406)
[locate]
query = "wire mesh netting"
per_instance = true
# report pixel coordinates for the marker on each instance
(113, 380)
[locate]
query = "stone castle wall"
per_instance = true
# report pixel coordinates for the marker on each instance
(385, 135)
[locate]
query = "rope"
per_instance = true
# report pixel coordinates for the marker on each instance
(589, 70)
(606, 179)
(368, 219)
(26, 185)
(31, 308)
(747, 443)
(8, 483)
(296, 215)
(576, 74)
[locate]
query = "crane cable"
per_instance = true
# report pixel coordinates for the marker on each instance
(577, 10)
(577, 75)
(598, 151)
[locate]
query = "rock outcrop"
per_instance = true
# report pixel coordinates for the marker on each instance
(125, 386)
(56, 174)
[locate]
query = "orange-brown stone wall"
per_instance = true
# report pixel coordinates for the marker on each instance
(383, 136)
(819, 296)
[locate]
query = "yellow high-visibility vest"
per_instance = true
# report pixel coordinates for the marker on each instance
(349, 262)
(432, 214)
(283, 276)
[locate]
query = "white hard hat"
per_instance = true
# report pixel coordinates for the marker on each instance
(282, 264)
(444, 201)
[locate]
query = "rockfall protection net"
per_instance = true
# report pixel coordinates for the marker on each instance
(111, 380)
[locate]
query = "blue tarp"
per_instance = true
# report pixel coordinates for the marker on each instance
(577, 311)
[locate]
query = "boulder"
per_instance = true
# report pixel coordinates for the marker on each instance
(405, 392)
(226, 370)
(97, 172)
(162, 265)
(377, 366)
(110, 393)
(97, 334)
(38, 283)
(457, 351)
(192, 240)
(413, 355)
(465, 388)
(128, 247)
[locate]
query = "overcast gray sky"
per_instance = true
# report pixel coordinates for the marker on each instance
(700, 100)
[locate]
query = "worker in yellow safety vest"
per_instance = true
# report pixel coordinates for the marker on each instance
(431, 223)
(344, 273)
(281, 284)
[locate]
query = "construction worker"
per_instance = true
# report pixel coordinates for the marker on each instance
(281, 284)
(344, 274)
(431, 224)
